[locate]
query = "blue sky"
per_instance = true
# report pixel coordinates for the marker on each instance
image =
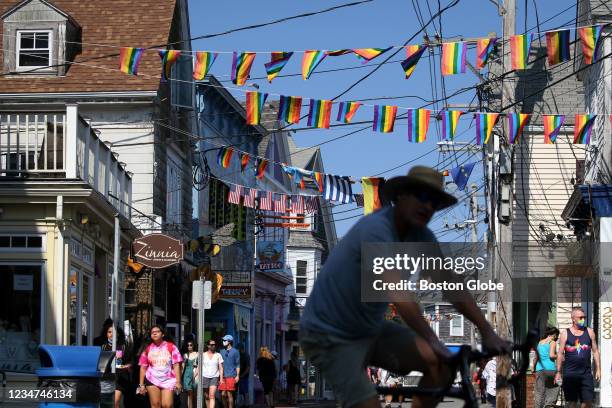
(380, 23)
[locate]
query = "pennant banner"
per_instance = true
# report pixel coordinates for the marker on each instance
(338, 188)
(558, 46)
(265, 201)
(413, 55)
(552, 126)
(310, 61)
(249, 197)
(384, 118)
(224, 156)
(484, 48)
(318, 179)
(589, 37)
(516, 123)
(254, 106)
(241, 67)
(289, 109)
(204, 61)
(311, 205)
(418, 123)
(280, 203)
(244, 161)
(372, 187)
(168, 58)
(337, 53)
(453, 58)
(347, 110)
(129, 59)
(278, 60)
(583, 125)
(319, 113)
(368, 54)
(520, 45)
(297, 204)
(449, 123)
(484, 126)
(234, 194)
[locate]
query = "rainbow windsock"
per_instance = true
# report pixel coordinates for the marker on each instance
(204, 61)
(310, 61)
(413, 55)
(558, 46)
(168, 58)
(319, 113)
(583, 125)
(129, 59)
(347, 110)
(244, 161)
(368, 54)
(241, 67)
(449, 123)
(225, 156)
(453, 58)
(484, 48)
(516, 123)
(418, 123)
(254, 106)
(589, 37)
(384, 118)
(278, 60)
(484, 126)
(289, 109)
(552, 126)
(260, 167)
(519, 50)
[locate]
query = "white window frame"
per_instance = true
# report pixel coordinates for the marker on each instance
(18, 50)
(457, 331)
(297, 276)
(42, 248)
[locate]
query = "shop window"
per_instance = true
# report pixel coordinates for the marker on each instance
(87, 255)
(20, 317)
(22, 242)
(80, 310)
(301, 277)
(130, 293)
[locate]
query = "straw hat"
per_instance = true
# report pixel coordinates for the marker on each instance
(419, 176)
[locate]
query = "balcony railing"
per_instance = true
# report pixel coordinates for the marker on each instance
(62, 145)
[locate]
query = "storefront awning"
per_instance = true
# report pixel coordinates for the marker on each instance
(589, 201)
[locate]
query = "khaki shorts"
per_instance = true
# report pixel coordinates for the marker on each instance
(343, 361)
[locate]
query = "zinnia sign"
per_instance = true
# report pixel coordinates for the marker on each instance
(157, 250)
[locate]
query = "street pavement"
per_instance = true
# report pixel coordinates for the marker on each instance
(447, 403)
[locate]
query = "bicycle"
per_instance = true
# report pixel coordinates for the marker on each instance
(461, 360)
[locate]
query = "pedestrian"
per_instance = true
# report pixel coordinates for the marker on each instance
(114, 386)
(276, 387)
(266, 372)
(245, 367)
(160, 370)
(231, 371)
(577, 346)
(294, 378)
(190, 365)
(490, 376)
(387, 379)
(546, 390)
(482, 382)
(212, 372)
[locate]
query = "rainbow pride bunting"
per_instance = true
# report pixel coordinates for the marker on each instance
(384, 118)
(552, 126)
(519, 50)
(516, 123)
(204, 61)
(310, 61)
(254, 106)
(318, 178)
(413, 55)
(244, 161)
(368, 54)
(347, 110)
(129, 59)
(337, 53)
(289, 109)
(449, 123)
(372, 192)
(278, 60)
(241, 67)
(319, 113)
(583, 125)
(260, 167)
(168, 58)
(484, 48)
(453, 58)
(558, 46)
(484, 126)
(589, 37)
(225, 156)
(418, 123)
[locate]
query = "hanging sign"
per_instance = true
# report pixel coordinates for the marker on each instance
(270, 256)
(157, 250)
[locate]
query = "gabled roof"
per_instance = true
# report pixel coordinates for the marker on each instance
(46, 3)
(115, 23)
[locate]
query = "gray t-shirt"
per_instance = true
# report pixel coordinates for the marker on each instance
(334, 305)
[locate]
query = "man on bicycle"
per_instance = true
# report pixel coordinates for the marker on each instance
(342, 335)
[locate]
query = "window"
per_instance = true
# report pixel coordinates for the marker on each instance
(34, 49)
(28, 243)
(87, 255)
(174, 187)
(80, 311)
(75, 248)
(301, 277)
(456, 328)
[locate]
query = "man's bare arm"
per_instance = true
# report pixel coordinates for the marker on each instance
(561, 351)
(596, 357)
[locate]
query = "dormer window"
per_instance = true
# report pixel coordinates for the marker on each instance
(34, 49)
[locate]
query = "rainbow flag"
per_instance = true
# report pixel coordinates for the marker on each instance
(244, 161)
(204, 61)
(368, 54)
(318, 178)
(484, 126)
(337, 53)
(168, 58)
(254, 106)
(319, 113)
(289, 109)
(224, 156)
(260, 167)
(418, 123)
(310, 61)
(449, 123)
(384, 118)
(484, 48)
(558, 46)
(583, 125)
(129, 58)
(347, 110)
(516, 123)
(453, 58)
(519, 50)
(552, 126)
(278, 60)
(241, 67)
(371, 187)
(589, 37)
(413, 55)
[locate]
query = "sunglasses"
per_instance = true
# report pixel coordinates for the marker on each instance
(428, 197)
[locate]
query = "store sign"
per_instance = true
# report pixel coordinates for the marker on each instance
(157, 250)
(270, 256)
(235, 292)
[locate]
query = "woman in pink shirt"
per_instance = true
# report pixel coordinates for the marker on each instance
(160, 370)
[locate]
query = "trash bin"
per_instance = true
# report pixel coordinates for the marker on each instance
(73, 371)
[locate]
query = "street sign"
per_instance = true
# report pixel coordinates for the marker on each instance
(157, 250)
(201, 293)
(207, 294)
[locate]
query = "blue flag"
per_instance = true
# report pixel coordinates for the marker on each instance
(461, 174)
